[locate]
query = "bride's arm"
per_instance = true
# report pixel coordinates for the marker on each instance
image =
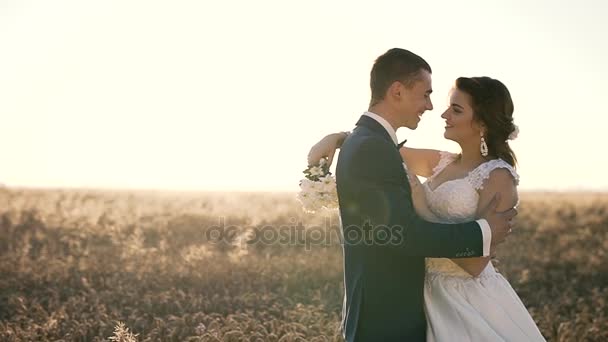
(420, 161)
(326, 147)
(500, 181)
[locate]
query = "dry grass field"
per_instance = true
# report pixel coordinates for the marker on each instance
(74, 265)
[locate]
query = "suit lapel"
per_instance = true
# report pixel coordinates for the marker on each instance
(376, 127)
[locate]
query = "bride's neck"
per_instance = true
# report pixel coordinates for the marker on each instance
(471, 157)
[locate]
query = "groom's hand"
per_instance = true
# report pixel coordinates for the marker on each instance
(500, 222)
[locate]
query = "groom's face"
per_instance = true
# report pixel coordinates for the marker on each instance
(415, 100)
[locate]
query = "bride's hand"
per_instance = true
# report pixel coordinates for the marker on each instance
(419, 198)
(418, 194)
(325, 148)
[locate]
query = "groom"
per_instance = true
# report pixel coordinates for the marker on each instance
(385, 242)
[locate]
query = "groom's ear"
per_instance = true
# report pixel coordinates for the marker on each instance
(395, 91)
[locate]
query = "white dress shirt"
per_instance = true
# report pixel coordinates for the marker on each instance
(387, 126)
(486, 232)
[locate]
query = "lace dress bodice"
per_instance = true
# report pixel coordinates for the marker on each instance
(455, 201)
(460, 307)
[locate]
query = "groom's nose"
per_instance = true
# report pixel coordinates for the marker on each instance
(429, 104)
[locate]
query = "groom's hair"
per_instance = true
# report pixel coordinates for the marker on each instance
(395, 65)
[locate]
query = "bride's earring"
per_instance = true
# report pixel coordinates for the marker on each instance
(484, 146)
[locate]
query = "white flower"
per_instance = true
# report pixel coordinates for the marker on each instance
(318, 195)
(304, 195)
(309, 200)
(329, 189)
(515, 133)
(329, 184)
(318, 189)
(307, 184)
(316, 171)
(327, 179)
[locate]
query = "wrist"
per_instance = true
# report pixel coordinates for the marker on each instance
(340, 137)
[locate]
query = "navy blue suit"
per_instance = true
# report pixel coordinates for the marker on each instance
(385, 241)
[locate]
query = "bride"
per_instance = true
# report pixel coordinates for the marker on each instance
(465, 299)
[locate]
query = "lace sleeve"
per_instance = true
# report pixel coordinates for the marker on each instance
(480, 174)
(445, 158)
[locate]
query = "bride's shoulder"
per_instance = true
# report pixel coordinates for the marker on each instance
(447, 155)
(444, 159)
(495, 170)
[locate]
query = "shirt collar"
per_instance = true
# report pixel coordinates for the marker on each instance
(385, 124)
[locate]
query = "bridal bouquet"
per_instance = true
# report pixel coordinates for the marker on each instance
(318, 188)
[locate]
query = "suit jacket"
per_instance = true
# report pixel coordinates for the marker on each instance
(385, 241)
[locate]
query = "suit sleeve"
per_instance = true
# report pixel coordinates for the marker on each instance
(383, 198)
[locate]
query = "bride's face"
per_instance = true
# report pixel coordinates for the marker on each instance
(460, 125)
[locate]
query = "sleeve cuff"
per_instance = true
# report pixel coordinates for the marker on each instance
(486, 234)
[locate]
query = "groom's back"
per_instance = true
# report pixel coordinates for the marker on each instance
(383, 287)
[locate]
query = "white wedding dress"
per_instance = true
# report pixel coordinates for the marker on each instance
(458, 306)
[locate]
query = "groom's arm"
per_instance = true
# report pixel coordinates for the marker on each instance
(385, 200)
(500, 181)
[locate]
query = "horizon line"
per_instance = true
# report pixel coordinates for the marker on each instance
(245, 190)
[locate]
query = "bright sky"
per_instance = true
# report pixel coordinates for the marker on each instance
(230, 95)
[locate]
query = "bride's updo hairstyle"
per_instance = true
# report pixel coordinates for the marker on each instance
(493, 107)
